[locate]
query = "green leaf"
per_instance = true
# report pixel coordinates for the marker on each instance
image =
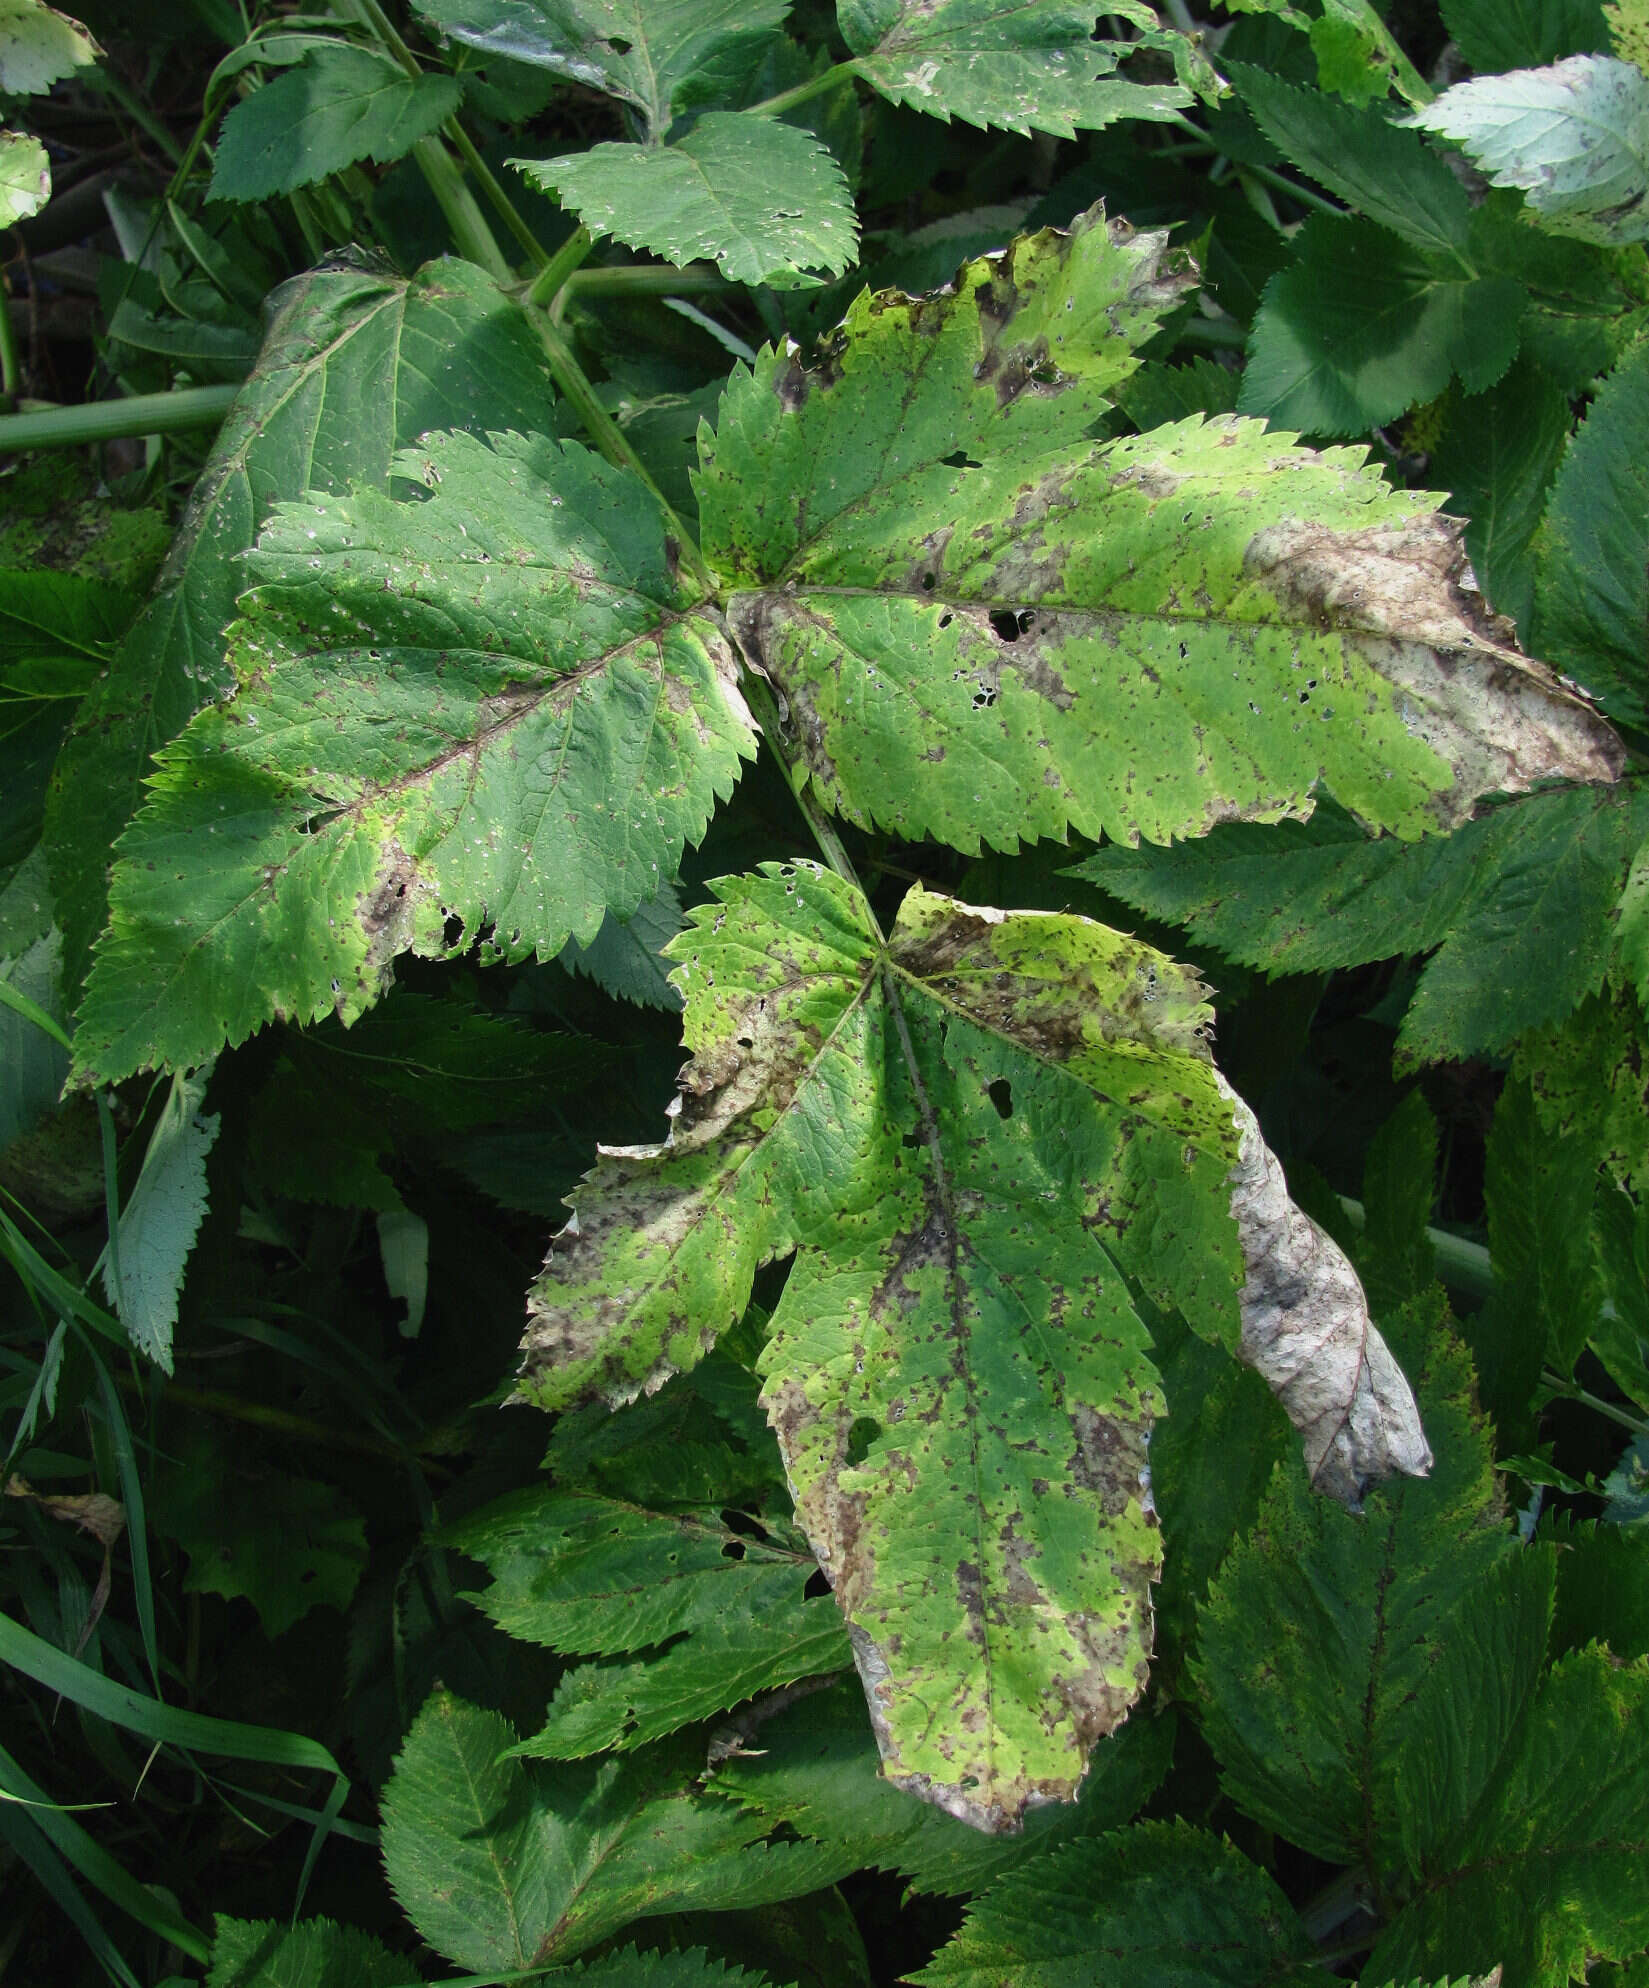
(1620, 1334)
(626, 1968)
(1496, 457)
(1361, 326)
(336, 106)
(1591, 1081)
(25, 177)
(1514, 907)
(1342, 1661)
(1157, 394)
(1395, 1256)
(1030, 65)
(355, 366)
(314, 1953)
(1574, 137)
(642, 51)
(492, 714)
(503, 1863)
(57, 630)
(1592, 583)
(143, 1272)
(992, 1124)
(1524, 34)
(39, 47)
(626, 957)
(1387, 173)
(32, 1065)
(286, 1544)
(813, 1765)
(1629, 31)
(1543, 1878)
(1602, 1587)
(763, 198)
(594, 1576)
(987, 629)
(1148, 1907)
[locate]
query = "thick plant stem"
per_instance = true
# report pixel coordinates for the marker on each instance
(552, 278)
(607, 436)
(476, 242)
(487, 180)
(11, 364)
(695, 279)
(108, 420)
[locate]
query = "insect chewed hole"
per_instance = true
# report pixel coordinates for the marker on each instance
(618, 44)
(733, 1550)
(860, 1437)
(960, 460)
(1005, 623)
(1000, 1094)
(929, 582)
(817, 1585)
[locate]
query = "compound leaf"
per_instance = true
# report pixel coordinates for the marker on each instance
(764, 199)
(625, 958)
(507, 1864)
(314, 1953)
(355, 366)
(336, 106)
(1344, 1688)
(1148, 1907)
(1543, 1878)
(1573, 136)
(976, 1138)
(595, 1575)
(1591, 1081)
(1515, 908)
(642, 51)
(1022, 65)
(1592, 584)
(986, 629)
(492, 713)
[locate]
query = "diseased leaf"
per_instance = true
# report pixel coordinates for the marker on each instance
(1629, 31)
(813, 1764)
(143, 1272)
(355, 366)
(646, 52)
(336, 106)
(987, 1129)
(1592, 582)
(25, 177)
(314, 1953)
(988, 630)
(1573, 136)
(1022, 65)
(1338, 1659)
(39, 47)
(491, 714)
(1544, 1876)
(1524, 34)
(1514, 907)
(593, 1576)
(763, 199)
(507, 1864)
(1148, 1907)
(1591, 1082)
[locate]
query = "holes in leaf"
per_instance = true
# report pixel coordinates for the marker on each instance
(865, 1431)
(733, 1549)
(1000, 1094)
(929, 582)
(960, 460)
(619, 45)
(1005, 624)
(817, 1585)
(945, 619)
(984, 697)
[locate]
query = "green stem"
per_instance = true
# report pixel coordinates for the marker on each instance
(487, 180)
(606, 434)
(550, 279)
(108, 420)
(696, 279)
(1563, 1390)
(11, 363)
(788, 99)
(1283, 184)
(758, 693)
(476, 241)
(1463, 1266)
